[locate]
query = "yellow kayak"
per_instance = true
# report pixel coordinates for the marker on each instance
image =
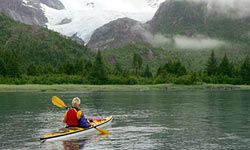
(74, 132)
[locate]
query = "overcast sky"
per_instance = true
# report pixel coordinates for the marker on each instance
(129, 5)
(237, 8)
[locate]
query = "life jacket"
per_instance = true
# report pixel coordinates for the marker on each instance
(72, 120)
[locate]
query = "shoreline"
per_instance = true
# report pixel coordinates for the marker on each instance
(118, 88)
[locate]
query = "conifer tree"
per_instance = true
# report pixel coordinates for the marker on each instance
(12, 64)
(212, 65)
(48, 69)
(79, 67)
(2, 67)
(137, 62)
(147, 72)
(88, 67)
(175, 68)
(179, 69)
(32, 70)
(68, 68)
(160, 71)
(98, 73)
(245, 70)
(225, 67)
(117, 70)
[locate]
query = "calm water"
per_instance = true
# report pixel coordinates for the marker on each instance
(142, 120)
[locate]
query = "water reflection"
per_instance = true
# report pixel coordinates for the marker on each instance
(74, 144)
(89, 142)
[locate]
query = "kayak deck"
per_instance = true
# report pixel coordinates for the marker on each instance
(64, 132)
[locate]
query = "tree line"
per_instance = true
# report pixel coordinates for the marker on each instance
(97, 72)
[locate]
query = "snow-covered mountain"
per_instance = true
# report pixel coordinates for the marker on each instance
(78, 18)
(82, 17)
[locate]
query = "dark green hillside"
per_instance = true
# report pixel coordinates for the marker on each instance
(37, 45)
(124, 55)
(193, 60)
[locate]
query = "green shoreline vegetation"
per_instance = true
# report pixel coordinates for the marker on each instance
(119, 88)
(98, 73)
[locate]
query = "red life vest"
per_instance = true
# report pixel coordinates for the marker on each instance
(72, 120)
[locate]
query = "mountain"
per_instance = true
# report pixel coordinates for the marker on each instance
(182, 24)
(77, 17)
(191, 18)
(28, 11)
(179, 17)
(117, 33)
(37, 45)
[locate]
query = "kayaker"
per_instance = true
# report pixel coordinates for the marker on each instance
(74, 117)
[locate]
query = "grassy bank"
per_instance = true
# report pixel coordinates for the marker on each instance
(106, 88)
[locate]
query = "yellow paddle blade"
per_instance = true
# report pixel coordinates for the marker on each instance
(102, 131)
(58, 102)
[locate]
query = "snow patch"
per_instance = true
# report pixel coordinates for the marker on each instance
(27, 4)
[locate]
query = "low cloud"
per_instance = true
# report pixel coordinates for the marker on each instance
(158, 40)
(197, 42)
(230, 8)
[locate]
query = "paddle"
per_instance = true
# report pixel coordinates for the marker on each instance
(59, 103)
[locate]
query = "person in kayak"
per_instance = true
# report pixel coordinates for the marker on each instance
(74, 117)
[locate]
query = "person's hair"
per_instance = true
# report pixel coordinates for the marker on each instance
(76, 101)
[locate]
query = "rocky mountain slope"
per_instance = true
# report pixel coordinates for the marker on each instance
(116, 33)
(28, 11)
